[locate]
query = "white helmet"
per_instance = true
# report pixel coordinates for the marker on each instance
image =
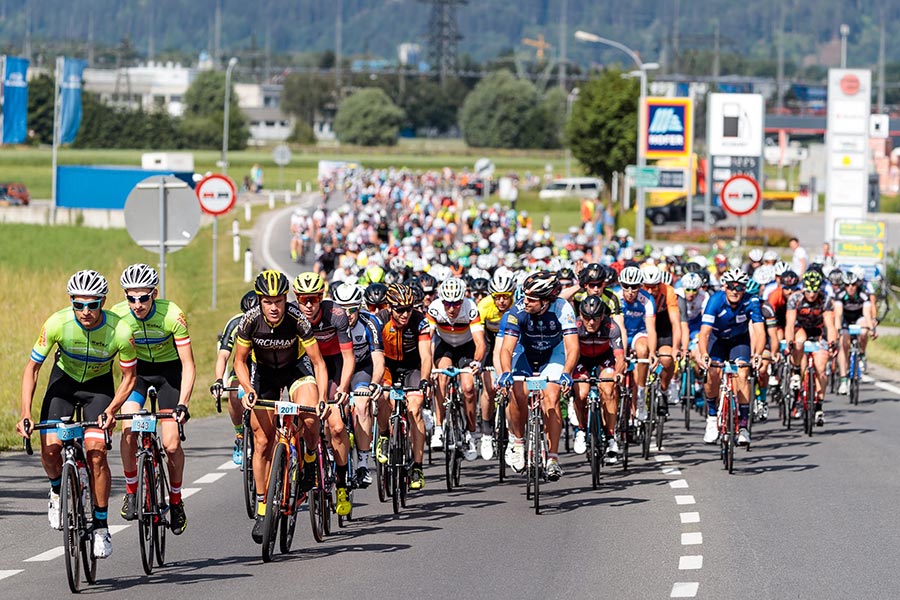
(734, 275)
(770, 255)
(626, 254)
(139, 276)
(631, 276)
(691, 281)
(678, 250)
(651, 274)
(347, 262)
(859, 271)
(700, 260)
(348, 295)
(452, 290)
(764, 274)
(667, 277)
(502, 282)
(621, 232)
(781, 267)
(755, 255)
(87, 283)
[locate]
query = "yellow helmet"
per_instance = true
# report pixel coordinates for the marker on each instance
(271, 283)
(309, 283)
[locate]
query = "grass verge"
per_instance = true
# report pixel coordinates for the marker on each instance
(885, 351)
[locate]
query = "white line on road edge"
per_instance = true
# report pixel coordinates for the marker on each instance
(880, 384)
(188, 492)
(690, 563)
(51, 554)
(10, 573)
(691, 539)
(678, 484)
(690, 517)
(685, 590)
(685, 500)
(114, 529)
(209, 478)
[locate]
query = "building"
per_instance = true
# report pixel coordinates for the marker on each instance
(268, 125)
(153, 86)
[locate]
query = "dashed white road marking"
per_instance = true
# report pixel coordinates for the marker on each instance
(690, 563)
(678, 484)
(685, 590)
(685, 500)
(690, 517)
(671, 471)
(881, 384)
(188, 492)
(693, 538)
(114, 529)
(10, 573)
(209, 478)
(661, 458)
(227, 466)
(51, 554)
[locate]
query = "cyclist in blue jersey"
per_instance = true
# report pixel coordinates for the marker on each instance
(639, 310)
(733, 329)
(541, 336)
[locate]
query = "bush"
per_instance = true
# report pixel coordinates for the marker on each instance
(302, 133)
(767, 236)
(368, 118)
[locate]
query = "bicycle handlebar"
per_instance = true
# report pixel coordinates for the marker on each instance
(45, 426)
(166, 415)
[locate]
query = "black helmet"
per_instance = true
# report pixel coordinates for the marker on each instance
(479, 285)
(592, 273)
(594, 307)
(375, 294)
(543, 284)
(250, 300)
(272, 283)
(790, 280)
(415, 285)
(428, 283)
(609, 275)
(836, 277)
(566, 276)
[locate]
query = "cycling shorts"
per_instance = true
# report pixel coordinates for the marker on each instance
(731, 349)
(596, 364)
(551, 368)
(165, 377)
(63, 392)
(269, 382)
(460, 356)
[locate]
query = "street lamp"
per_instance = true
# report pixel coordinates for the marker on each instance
(571, 97)
(232, 63)
(845, 31)
(642, 69)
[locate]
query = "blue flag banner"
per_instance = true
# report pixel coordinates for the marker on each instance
(70, 99)
(15, 100)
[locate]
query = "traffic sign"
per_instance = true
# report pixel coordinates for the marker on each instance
(281, 155)
(864, 230)
(740, 195)
(217, 194)
(870, 250)
(179, 211)
(658, 179)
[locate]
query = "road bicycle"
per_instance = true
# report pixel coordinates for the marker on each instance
(395, 473)
(728, 415)
(249, 483)
(455, 426)
(853, 363)
(535, 440)
(595, 429)
(655, 399)
(75, 494)
(686, 389)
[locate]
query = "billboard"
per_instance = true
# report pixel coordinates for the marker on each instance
(667, 127)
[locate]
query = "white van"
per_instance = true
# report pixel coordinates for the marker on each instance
(572, 187)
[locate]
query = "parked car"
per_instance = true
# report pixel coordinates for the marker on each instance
(572, 187)
(675, 211)
(14, 194)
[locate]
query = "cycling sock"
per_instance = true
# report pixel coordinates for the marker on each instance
(100, 515)
(763, 392)
(711, 408)
(55, 485)
(239, 429)
(175, 493)
(364, 458)
(743, 411)
(341, 472)
(131, 482)
(261, 505)
(552, 455)
(417, 465)
(309, 458)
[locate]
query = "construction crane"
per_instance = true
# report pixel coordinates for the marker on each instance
(539, 44)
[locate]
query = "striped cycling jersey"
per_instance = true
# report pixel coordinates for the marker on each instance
(458, 331)
(635, 312)
(539, 334)
(157, 335)
(331, 329)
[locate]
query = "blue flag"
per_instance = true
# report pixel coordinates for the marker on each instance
(70, 99)
(15, 100)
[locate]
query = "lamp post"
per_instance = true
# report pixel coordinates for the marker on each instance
(642, 68)
(845, 31)
(232, 63)
(570, 99)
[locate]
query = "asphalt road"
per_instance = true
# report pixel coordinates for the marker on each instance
(800, 518)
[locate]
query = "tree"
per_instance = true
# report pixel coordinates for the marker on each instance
(40, 109)
(368, 118)
(307, 94)
(204, 113)
(429, 107)
(602, 130)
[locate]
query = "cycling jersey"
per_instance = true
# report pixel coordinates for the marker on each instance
(226, 341)
(490, 314)
(605, 341)
(85, 353)
(366, 337)
(539, 334)
(692, 311)
(853, 305)
(729, 321)
(276, 345)
(401, 346)
(157, 335)
(663, 298)
(332, 329)
(458, 331)
(778, 301)
(810, 315)
(636, 311)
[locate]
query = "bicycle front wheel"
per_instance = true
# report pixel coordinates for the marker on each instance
(274, 497)
(289, 521)
(247, 471)
(810, 415)
(501, 435)
(732, 432)
(537, 442)
(595, 446)
(146, 511)
(72, 522)
(161, 524)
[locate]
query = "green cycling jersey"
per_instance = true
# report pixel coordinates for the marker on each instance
(85, 353)
(157, 335)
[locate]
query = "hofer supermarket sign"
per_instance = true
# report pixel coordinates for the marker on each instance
(667, 127)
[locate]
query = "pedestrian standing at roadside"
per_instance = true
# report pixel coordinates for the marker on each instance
(799, 260)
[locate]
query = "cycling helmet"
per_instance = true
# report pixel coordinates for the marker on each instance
(87, 283)
(593, 307)
(812, 281)
(399, 295)
(734, 275)
(704, 277)
(691, 281)
(781, 267)
(789, 280)
(272, 283)
(753, 287)
(770, 256)
(452, 290)
(609, 275)
(631, 276)
(851, 278)
(480, 285)
(566, 276)
(817, 267)
(543, 284)
(764, 274)
(502, 282)
(392, 277)
(397, 264)
(250, 300)
(375, 294)
(667, 277)
(621, 232)
(417, 291)
(374, 274)
(860, 271)
(755, 255)
(692, 267)
(427, 282)
(836, 277)
(139, 276)
(309, 283)
(348, 295)
(592, 273)
(652, 275)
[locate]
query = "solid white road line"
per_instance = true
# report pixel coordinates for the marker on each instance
(678, 484)
(690, 517)
(881, 384)
(691, 539)
(188, 492)
(685, 590)
(209, 478)
(690, 563)
(684, 500)
(114, 529)
(10, 573)
(51, 554)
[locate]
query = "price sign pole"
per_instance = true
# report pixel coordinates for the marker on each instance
(217, 195)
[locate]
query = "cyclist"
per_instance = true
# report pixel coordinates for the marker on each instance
(732, 330)
(226, 347)
(458, 342)
(88, 339)
(166, 362)
(595, 279)
(491, 309)
(600, 351)
(809, 317)
(668, 331)
(331, 329)
(408, 359)
(640, 326)
(365, 333)
(479, 289)
(852, 307)
(541, 336)
(429, 288)
(284, 354)
(691, 304)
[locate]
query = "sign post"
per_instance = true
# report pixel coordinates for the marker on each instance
(282, 157)
(217, 196)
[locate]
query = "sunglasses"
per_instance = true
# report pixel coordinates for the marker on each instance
(452, 304)
(92, 305)
(314, 299)
(504, 295)
(735, 287)
(593, 284)
(690, 290)
(138, 299)
(351, 310)
(531, 299)
(630, 287)
(402, 310)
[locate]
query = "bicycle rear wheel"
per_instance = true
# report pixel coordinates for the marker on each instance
(316, 503)
(275, 498)
(161, 525)
(289, 521)
(537, 449)
(72, 521)
(381, 481)
(595, 448)
(501, 435)
(247, 471)
(146, 511)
